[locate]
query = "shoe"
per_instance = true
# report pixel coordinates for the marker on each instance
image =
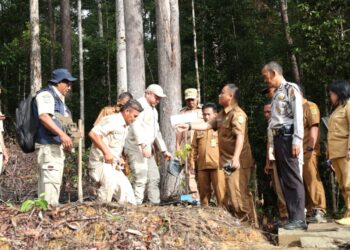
(344, 221)
(281, 222)
(295, 224)
(318, 216)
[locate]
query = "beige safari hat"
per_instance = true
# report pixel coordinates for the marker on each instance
(156, 89)
(191, 93)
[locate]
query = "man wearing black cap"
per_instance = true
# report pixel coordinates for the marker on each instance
(51, 138)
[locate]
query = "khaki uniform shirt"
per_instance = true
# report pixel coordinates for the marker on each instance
(311, 118)
(231, 122)
(338, 131)
(113, 130)
(187, 136)
(205, 149)
(145, 129)
(46, 102)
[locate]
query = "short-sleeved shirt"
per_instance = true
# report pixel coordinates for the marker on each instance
(113, 130)
(231, 122)
(46, 102)
(311, 118)
(287, 110)
(339, 131)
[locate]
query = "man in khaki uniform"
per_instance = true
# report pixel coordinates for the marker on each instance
(122, 99)
(105, 161)
(271, 167)
(191, 98)
(315, 199)
(234, 148)
(143, 133)
(205, 150)
(51, 139)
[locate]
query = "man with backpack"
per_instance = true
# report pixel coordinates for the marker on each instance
(51, 136)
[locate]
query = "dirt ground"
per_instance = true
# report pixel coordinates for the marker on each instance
(110, 226)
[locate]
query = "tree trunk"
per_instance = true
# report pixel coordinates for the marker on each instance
(169, 74)
(51, 35)
(108, 66)
(122, 82)
(100, 22)
(35, 56)
(293, 59)
(135, 57)
(195, 52)
(81, 65)
(66, 35)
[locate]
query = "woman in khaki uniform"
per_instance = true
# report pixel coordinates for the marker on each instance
(339, 140)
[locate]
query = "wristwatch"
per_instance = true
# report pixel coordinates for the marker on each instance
(309, 149)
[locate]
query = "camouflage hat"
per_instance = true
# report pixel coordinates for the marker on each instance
(191, 93)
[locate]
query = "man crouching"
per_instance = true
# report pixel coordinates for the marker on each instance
(105, 161)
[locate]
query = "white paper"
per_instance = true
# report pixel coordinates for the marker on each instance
(183, 118)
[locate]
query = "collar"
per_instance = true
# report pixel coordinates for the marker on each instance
(122, 120)
(58, 93)
(283, 82)
(230, 107)
(144, 103)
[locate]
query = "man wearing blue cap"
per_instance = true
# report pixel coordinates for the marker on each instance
(51, 137)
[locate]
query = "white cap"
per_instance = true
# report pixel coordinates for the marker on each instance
(156, 89)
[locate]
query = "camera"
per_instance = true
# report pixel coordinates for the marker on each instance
(228, 168)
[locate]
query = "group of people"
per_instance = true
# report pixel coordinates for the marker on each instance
(220, 148)
(292, 150)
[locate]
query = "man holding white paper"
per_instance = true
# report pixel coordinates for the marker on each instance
(183, 138)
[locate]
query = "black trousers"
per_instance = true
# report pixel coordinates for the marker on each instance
(290, 177)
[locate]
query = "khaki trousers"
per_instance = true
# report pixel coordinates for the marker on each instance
(145, 174)
(342, 172)
(208, 178)
(51, 164)
(192, 184)
(281, 202)
(113, 183)
(239, 196)
(314, 191)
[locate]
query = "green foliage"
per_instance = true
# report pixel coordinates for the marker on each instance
(39, 203)
(183, 153)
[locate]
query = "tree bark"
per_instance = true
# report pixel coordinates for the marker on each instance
(122, 82)
(35, 56)
(195, 52)
(99, 15)
(51, 34)
(81, 65)
(293, 59)
(169, 75)
(66, 35)
(135, 57)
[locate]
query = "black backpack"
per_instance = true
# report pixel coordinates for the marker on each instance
(26, 124)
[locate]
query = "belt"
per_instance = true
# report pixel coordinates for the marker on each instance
(283, 131)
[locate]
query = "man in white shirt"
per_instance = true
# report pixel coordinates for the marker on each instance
(143, 134)
(105, 161)
(51, 139)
